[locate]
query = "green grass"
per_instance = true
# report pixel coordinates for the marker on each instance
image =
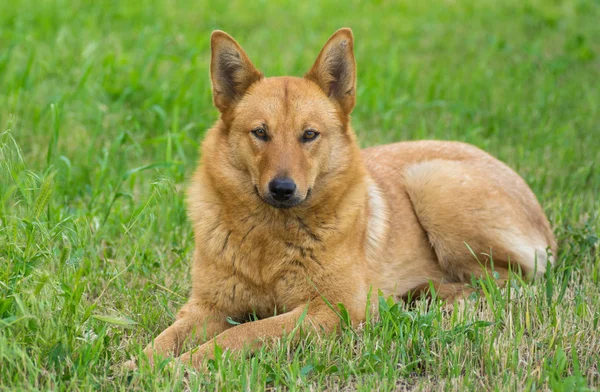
(103, 106)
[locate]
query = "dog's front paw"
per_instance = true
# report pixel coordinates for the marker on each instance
(182, 369)
(195, 360)
(129, 366)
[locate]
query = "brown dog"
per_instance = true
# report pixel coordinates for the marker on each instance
(290, 216)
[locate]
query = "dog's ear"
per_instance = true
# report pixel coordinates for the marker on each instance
(335, 69)
(231, 71)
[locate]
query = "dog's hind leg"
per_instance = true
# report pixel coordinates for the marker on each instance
(444, 291)
(478, 214)
(449, 292)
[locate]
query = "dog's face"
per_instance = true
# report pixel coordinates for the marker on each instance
(286, 133)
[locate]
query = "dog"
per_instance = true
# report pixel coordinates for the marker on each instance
(291, 217)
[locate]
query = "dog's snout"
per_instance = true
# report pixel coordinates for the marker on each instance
(282, 189)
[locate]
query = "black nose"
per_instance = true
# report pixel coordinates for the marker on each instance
(282, 189)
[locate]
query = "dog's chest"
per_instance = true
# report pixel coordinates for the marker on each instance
(239, 296)
(254, 270)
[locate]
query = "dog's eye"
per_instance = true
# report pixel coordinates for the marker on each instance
(309, 135)
(260, 133)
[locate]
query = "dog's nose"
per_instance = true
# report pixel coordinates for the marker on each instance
(282, 189)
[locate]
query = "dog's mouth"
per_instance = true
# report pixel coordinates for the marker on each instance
(294, 201)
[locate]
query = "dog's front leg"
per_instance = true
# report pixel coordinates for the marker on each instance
(252, 335)
(194, 323)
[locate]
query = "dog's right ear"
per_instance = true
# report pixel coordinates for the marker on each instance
(231, 71)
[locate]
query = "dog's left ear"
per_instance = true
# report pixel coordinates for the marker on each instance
(335, 69)
(231, 71)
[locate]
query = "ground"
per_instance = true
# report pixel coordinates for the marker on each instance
(102, 108)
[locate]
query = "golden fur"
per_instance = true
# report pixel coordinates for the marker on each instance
(392, 218)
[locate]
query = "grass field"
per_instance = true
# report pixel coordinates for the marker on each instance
(102, 108)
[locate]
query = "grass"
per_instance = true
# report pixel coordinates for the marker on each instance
(102, 108)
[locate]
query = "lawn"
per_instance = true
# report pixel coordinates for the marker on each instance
(103, 105)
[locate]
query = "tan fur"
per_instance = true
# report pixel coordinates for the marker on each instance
(392, 218)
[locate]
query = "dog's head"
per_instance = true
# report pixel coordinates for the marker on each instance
(285, 133)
